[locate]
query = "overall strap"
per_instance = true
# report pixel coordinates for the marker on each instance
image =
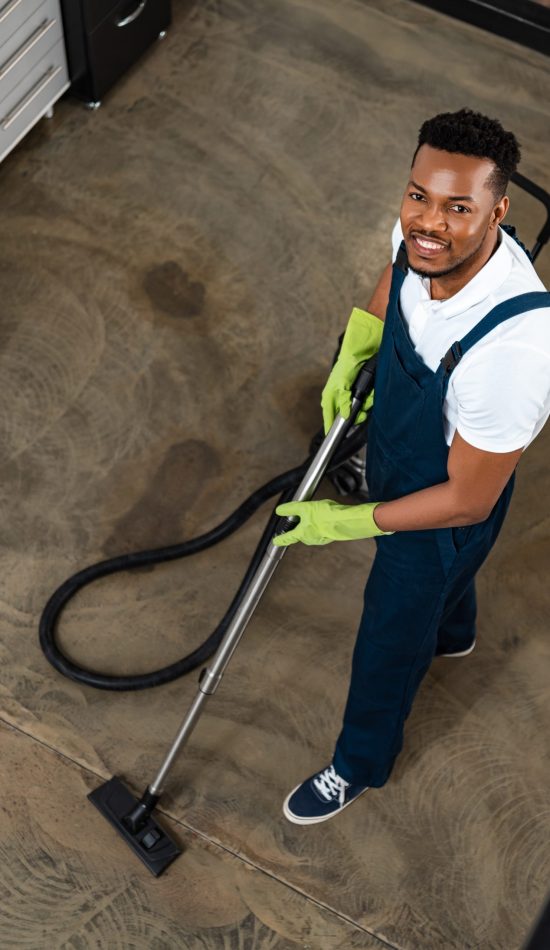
(399, 272)
(503, 311)
(511, 231)
(401, 259)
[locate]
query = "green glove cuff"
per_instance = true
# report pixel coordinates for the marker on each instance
(352, 522)
(363, 335)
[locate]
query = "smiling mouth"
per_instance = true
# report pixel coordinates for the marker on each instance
(427, 247)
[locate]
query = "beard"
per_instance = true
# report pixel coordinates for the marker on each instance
(451, 268)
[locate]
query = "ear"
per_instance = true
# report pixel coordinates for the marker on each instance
(499, 212)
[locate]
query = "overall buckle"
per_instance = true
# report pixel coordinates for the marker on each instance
(452, 357)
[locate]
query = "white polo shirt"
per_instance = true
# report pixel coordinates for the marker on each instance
(499, 394)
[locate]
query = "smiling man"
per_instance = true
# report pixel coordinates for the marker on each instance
(461, 325)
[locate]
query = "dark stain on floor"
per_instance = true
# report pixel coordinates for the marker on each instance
(171, 290)
(153, 520)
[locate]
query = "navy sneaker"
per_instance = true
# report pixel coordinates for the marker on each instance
(459, 653)
(320, 797)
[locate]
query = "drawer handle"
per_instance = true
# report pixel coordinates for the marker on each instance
(9, 8)
(23, 50)
(133, 16)
(10, 118)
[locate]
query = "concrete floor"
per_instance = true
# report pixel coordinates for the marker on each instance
(175, 270)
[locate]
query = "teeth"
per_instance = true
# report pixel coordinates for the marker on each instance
(429, 245)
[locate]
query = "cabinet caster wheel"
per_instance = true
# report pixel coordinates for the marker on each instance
(93, 105)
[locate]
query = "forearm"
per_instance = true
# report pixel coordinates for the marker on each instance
(441, 506)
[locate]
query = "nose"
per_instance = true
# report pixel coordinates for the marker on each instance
(432, 220)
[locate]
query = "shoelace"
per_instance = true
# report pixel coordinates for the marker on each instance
(331, 785)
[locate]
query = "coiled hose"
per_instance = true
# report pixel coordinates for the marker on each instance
(284, 484)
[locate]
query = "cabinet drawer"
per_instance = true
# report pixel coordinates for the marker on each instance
(13, 14)
(29, 100)
(127, 31)
(96, 10)
(27, 46)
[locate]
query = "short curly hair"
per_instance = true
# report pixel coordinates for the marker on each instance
(471, 133)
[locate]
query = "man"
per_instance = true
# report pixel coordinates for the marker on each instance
(461, 324)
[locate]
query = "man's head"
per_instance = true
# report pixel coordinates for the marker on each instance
(456, 196)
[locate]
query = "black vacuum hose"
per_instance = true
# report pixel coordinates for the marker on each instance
(283, 484)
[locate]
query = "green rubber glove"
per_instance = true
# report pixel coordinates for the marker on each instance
(361, 341)
(324, 521)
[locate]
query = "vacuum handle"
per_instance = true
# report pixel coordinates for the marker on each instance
(363, 385)
(541, 195)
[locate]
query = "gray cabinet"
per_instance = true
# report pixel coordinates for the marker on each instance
(33, 66)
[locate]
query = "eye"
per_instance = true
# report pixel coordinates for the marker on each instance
(415, 196)
(462, 209)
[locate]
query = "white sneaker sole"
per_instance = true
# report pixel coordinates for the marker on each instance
(463, 653)
(313, 821)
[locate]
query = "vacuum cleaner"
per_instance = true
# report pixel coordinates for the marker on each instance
(133, 818)
(341, 456)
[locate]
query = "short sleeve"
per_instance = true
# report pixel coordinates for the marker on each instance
(396, 238)
(502, 396)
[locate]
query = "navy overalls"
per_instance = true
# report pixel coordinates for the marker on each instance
(420, 595)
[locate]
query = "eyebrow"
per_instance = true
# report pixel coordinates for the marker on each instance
(451, 197)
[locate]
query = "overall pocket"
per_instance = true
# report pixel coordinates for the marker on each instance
(460, 536)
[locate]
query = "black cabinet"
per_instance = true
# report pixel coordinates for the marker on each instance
(105, 37)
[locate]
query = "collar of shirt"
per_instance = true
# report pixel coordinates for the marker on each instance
(485, 282)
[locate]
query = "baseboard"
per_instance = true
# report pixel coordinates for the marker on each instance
(523, 21)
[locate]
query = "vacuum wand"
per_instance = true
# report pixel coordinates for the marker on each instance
(211, 676)
(132, 818)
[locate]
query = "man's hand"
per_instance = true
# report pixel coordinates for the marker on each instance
(361, 341)
(324, 521)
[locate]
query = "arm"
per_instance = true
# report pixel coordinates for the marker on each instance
(378, 303)
(476, 479)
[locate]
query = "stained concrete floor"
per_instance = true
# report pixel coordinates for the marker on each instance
(175, 270)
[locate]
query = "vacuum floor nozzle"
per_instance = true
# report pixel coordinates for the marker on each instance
(150, 842)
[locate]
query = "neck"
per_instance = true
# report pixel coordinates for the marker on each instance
(441, 288)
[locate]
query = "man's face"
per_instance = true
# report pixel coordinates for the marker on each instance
(448, 213)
